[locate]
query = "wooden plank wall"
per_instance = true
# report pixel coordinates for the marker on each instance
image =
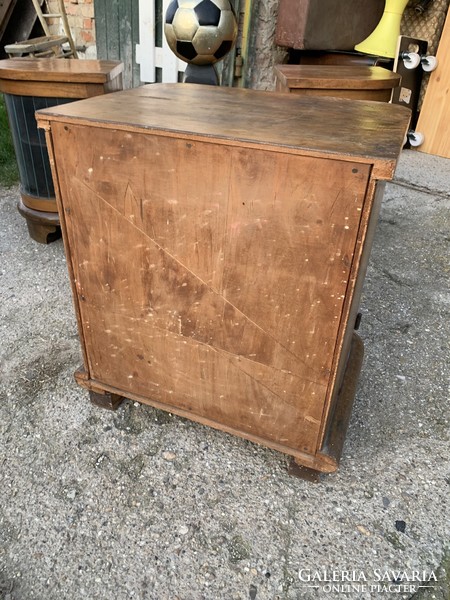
(117, 33)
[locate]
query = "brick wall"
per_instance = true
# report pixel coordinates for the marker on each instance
(80, 14)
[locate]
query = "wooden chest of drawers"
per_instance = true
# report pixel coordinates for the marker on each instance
(217, 242)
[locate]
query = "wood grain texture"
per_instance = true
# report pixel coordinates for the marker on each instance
(216, 266)
(351, 82)
(354, 94)
(117, 33)
(56, 78)
(358, 131)
(55, 70)
(236, 290)
(336, 77)
(46, 89)
(345, 335)
(434, 118)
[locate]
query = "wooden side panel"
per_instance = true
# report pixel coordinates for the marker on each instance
(51, 89)
(346, 335)
(211, 278)
(434, 119)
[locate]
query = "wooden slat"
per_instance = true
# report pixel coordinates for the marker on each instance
(125, 37)
(434, 119)
(101, 34)
(115, 21)
(124, 19)
(363, 131)
(136, 80)
(113, 29)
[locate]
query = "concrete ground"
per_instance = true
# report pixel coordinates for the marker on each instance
(142, 504)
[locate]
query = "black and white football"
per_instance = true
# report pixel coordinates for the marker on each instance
(200, 32)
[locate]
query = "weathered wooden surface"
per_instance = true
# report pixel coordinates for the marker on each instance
(56, 78)
(357, 131)
(357, 82)
(338, 76)
(117, 33)
(69, 70)
(214, 272)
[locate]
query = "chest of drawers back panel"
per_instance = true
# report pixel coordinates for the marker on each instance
(212, 274)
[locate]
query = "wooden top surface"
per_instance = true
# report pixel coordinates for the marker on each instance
(59, 70)
(369, 132)
(337, 76)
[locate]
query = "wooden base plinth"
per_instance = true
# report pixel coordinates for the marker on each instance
(334, 441)
(105, 400)
(98, 396)
(297, 470)
(43, 226)
(303, 466)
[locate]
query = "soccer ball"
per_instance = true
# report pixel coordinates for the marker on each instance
(200, 32)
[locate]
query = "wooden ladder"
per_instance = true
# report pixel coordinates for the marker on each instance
(48, 45)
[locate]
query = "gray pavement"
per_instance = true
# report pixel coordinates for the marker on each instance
(142, 504)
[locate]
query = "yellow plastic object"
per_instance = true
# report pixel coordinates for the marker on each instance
(383, 40)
